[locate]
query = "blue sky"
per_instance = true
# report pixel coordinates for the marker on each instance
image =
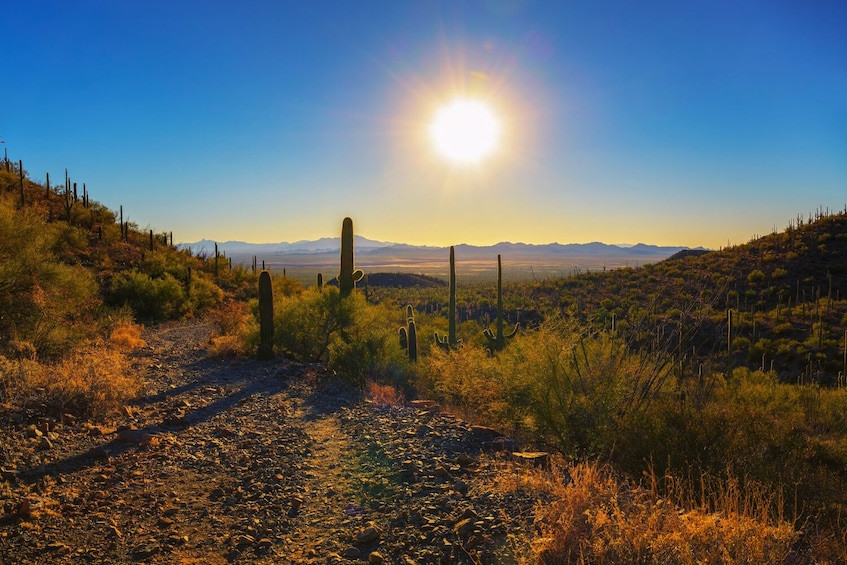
(674, 123)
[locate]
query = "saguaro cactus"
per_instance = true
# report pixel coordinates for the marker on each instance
(496, 336)
(266, 316)
(21, 173)
(409, 335)
(348, 278)
(449, 341)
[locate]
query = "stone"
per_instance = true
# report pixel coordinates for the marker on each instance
(464, 460)
(503, 444)
(464, 527)
(485, 433)
(375, 558)
(442, 473)
(145, 551)
(351, 553)
(368, 535)
(537, 458)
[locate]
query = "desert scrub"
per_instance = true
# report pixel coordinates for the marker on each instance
(150, 298)
(127, 335)
(478, 387)
(589, 391)
(304, 324)
(44, 302)
(584, 391)
(92, 383)
(367, 349)
(597, 518)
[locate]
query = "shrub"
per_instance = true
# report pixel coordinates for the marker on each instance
(367, 348)
(127, 335)
(598, 518)
(587, 389)
(149, 298)
(92, 383)
(471, 383)
(203, 296)
(304, 325)
(44, 302)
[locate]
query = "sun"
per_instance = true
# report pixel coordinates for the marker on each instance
(465, 130)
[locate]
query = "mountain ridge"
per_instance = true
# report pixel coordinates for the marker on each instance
(374, 247)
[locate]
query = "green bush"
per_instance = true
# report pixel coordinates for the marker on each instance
(369, 348)
(150, 298)
(304, 324)
(203, 295)
(588, 388)
(44, 302)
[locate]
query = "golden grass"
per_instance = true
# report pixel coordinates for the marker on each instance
(598, 518)
(92, 383)
(127, 335)
(383, 394)
(234, 324)
(227, 346)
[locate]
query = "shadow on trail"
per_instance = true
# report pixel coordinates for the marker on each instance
(252, 378)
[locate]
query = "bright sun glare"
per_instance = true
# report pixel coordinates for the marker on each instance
(465, 130)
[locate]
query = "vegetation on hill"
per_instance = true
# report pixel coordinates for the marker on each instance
(75, 278)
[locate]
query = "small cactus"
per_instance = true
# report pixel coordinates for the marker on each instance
(320, 281)
(266, 316)
(348, 277)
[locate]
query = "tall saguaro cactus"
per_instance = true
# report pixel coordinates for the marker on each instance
(266, 316)
(496, 336)
(348, 277)
(449, 341)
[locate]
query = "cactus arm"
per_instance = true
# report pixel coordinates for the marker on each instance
(404, 340)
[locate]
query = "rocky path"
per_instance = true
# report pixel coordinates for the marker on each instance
(240, 461)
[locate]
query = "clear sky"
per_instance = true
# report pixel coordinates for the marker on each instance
(671, 123)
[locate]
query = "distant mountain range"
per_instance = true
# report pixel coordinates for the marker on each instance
(368, 248)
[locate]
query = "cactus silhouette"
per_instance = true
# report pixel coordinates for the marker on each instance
(409, 335)
(496, 336)
(449, 341)
(266, 316)
(348, 278)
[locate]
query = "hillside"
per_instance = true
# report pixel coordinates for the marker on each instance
(786, 292)
(71, 267)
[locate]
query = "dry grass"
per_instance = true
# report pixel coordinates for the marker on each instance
(127, 335)
(92, 383)
(234, 324)
(383, 394)
(597, 518)
(227, 346)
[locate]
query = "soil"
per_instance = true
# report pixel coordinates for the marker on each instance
(245, 461)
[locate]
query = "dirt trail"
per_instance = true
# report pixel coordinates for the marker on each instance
(240, 461)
